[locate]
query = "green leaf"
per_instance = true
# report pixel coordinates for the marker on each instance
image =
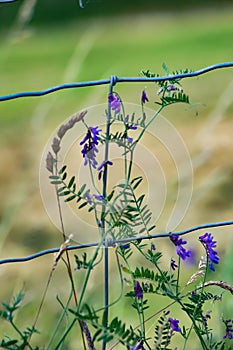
(4, 314)
(61, 189)
(56, 182)
(71, 182)
(70, 198)
(82, 188)
(82, 205)
(165, 68)
(64, 176)
(137, 183)
(109, 197)
(54, 177)
(61, 171)
(65, 193)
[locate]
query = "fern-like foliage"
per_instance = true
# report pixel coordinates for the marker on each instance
(8, 313)
(162, 333)
(23, 335)
(116, 329)
(194, 308)
(170, 91)
(82, 263)
(69, 189)
(175, 97)
(129, 210)
(132, 120)
(154, 282)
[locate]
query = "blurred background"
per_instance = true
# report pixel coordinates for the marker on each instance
(46, 43)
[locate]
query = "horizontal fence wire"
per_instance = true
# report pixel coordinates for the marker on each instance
(113, 80)
(110, 242)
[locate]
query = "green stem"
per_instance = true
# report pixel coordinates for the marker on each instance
(178, 277)
(20, 333)
(67, 331)
(146, 126)
(60, 320)
(139, 138)
(194, 325)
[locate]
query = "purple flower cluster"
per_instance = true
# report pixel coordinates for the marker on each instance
(174, 324)
(208, 241)
(138, 292)
(115, 103)
(180, 250)
(229, 329)
(90, 142)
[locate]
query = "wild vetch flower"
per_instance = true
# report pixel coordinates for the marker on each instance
(208, 241)
(139, 346)
(144, 97)
(132, 127)
(90, 142)
(99, 197)
(125, 246)
(173, 264)
(138, 292)
(115, 103)
(171, 87)
(153, 246)
(229, 329)
(206, 317)
(88, 198)
(180, 250)
(103, 167)
(174, 324)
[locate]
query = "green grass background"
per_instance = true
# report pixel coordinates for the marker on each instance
(39, 57)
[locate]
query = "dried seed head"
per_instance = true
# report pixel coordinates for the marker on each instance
(49, 162)
(61, 131)
(73, 120)
(79, 116)
(56, 145)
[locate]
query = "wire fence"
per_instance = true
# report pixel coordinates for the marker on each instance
(108, 242)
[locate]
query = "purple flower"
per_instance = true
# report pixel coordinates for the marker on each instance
(88, 198)
(174, 324)
(138, 292)
(173, 264)
(132, 127)
(153, 246)
(102, 168)
(115, 103)
(139, 346)
(99, 197)
(229, 329)
(125, 246)
(172, 87)
(104, 164)
(144, 98)
(208, 241)
(90, 142)
(180, 250)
